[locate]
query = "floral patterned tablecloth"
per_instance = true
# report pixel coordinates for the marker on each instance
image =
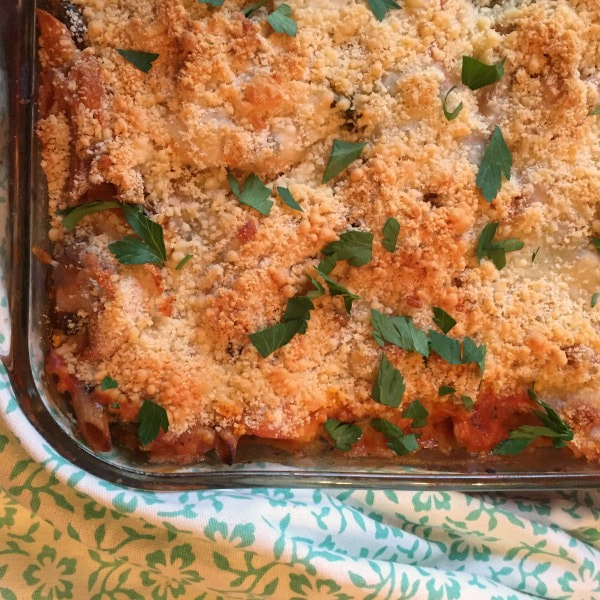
(67, 534)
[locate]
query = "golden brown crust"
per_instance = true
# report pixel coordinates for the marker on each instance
(228, 92)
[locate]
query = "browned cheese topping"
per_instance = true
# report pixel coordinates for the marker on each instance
(227, 92)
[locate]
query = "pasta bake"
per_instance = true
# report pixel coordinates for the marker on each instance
(359, 220)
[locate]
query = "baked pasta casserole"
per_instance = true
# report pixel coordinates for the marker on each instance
(365, 221)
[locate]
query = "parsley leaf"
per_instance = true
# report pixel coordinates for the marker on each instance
(354, 246)
(152, 417)
(554, 427)
(184, 261)
(400, 331)
(442, 319)
(417, 412)
(254, 193)
(534, 254)
(72, 216)
(389, 386)
(133, 251)
(472, 353)
(596, 243)
(398, 441)
(298, 307)
(476, 74)
(381, 7)
(595, 111)
(212, 2)
(344, 435)
(250, 10)
(594, 300)
(317, 292)
(287, 197)
(445, 390)
(496, 161)
(141, 60)
(327, 264)
(467, 402)
(342, 154)
(496, 251)
(281, 22)
(448, 348)
(450, 116)
(150, 232)
(335, 289)
(391, 229)
(108, 383)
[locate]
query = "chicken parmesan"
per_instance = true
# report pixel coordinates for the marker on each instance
(366, 221)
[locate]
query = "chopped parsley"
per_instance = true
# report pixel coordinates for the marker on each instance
(472, 353)
(134, 251)
(354, 246)
(446, 390)
(391, 229)
(496, 251)
(295, 320)
(254, 193)
(389, 386)
(450, 116)
(141, 60)
(534, 254)
(417, 412)
(250, 10)
(476, 74)
(446, 347)
(152, 418)
(108, 383)
(317, 292)
(400, 331)
(442, 319)
(281, 22)
(595, 111)
(497, 161)
(184, 261)
(594, 300)
(212, 2)
(398, 441)
(344, 435)
(520, 438)
(288, 199)
(335, 289)
(327, 264)
(596, 243)
(342, 154)
(72, 216)
(467, 402)
(380, 8)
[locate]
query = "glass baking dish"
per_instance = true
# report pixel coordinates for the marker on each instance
(258, 464)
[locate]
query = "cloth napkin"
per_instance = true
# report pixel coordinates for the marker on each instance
(67, 534)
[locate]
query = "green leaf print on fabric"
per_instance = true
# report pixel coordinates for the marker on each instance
(242, 532)
(169, 579)
(51, 575)
(585, 581)
(425, 501)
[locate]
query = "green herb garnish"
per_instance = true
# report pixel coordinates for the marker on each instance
(476, 74)
(554, 428)
(336, 289)
(596, 243)
(446, 390)
(448, 348)
(391, 229)
(184, 261)
(72, 216)
(152, 418)
(450, 116)
(398, 441)
(472, 353)
(342, 154)
(254, 193)
(354, 246)
(594, 300)
(595, 111)
(212, 2)
(467, 402)
(344, 435)
(389, 386)
(288, 199)
(496, 251)
(141, 60)
(281, 22)
(400, 331)
(417, 412)
(442, 319)
(534, 254)
(108, 383)
(250, 10)
(133, 251)
(496, 161)
(380, 8)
